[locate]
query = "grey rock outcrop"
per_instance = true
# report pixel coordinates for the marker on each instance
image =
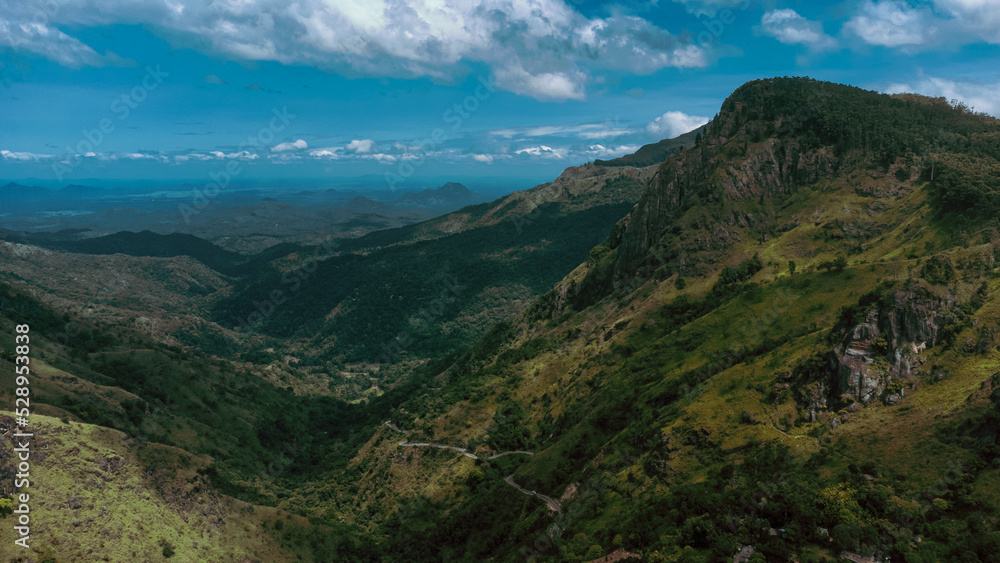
(886, 346)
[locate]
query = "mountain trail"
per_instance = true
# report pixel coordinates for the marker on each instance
(552, 504)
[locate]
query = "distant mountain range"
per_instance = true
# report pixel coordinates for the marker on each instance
(13, 191)
(242, 221)
(447, 195)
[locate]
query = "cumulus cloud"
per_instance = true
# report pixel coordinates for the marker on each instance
(23, 156)
(293, 146)
(484, 158)
(544, 86)
(21, 32)
(893, 23)
(975, 18)
(360, 146)
(213, 79)
(601, 151)
(896, 24)
(328, 153)
(790, 28)
(543, 151)
(674, 123)
(139, 156)
(216, 155)
(543, 49)
(981, 97)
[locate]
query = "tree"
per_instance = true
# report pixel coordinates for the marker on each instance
(836, 265)
(791, 267)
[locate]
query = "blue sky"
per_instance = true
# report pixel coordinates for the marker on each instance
(178, 89)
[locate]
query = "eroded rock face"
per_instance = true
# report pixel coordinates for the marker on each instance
(774, 168)
(912, 319)
(886, 346)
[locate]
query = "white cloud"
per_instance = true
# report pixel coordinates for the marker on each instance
(241, 155)
(382, 157)
(484, 158)
(193, 156)
(897, 24)
(23, 156)
(544, 86)
(138, 156)
(975, 18)
(674, 123)
(582, 130)
(294, 146)
(216, 155)
(893, 23)
(981, 97)
(359, 149)
(601, 151)
(328, 153)
(543, 151)
(360, 146)
(23, 33)
(605, 133)
(541, 48)
(790, 28)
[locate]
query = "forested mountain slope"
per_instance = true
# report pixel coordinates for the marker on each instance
(788, 346)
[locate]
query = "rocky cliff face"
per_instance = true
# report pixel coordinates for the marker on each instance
(875, 357)
(728, 165)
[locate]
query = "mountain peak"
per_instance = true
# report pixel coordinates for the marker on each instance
(450, 194)
(774, 135)
(454, 188)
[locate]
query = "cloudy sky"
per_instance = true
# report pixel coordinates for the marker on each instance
(181, 89)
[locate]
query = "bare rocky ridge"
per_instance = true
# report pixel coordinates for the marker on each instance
(707, 173)
(875, 357)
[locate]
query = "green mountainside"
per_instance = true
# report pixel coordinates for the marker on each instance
(425, 290)
(789, 344)
(655, 153)
(787, 348)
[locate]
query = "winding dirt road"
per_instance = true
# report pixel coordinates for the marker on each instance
(549, 501)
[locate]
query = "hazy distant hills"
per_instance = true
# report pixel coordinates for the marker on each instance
(447, 195)
(147, 243)
(239, 221)
(13, 191)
